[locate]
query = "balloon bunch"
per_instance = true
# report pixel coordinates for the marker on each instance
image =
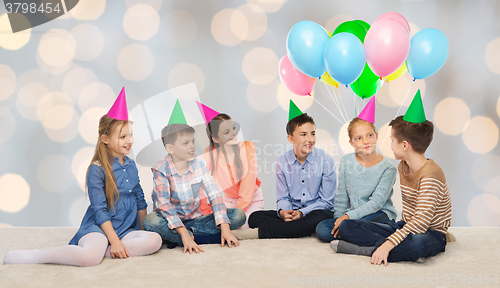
(359, 55)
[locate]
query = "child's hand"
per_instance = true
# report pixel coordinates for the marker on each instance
(117, 249)
(190, 245)
(380, 255)
(286, 215)
(335, 230)
(227, 236)
(297, 214)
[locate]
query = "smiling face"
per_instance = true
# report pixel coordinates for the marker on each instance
(183, 147)
(120, 141)
(363, 139)
(227, 134)
(303, 139)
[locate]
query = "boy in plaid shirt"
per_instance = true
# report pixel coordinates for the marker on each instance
(178, 180)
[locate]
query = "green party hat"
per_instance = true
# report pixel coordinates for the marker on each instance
(415, 113)
(177, 116)
(293, 111)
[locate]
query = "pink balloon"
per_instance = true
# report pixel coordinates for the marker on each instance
(394, 16)
(387, 45)
(294, 80)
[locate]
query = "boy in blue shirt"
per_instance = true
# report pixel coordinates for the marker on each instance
(305, 186)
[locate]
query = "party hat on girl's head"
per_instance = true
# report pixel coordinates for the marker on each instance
(119, 109)
(207, 112)
(177, 116)
(368, 113)
(293, 111)
(415, 113)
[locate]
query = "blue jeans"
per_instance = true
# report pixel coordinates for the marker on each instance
(414, 246)
(325, 227)
(203, 225)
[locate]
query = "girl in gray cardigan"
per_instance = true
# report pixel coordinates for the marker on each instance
(365, 183)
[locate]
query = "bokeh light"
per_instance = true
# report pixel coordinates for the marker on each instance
(76, 80)
(135, 62)
(384, 141)
(54, 173)
(156, 4)
(88, 9)
(284, 96)
(80, 164)
(33, 76)
(493, 186)
(398, 89)
(178, 28)
(492, 57)
(498, 107)
(77, 210)
(225, 23)
(89, 41)
(480, 213)
(481, 135)
(9, 40)
(57, 48)
(55, 110)
(97, 95)
(27, 99)
(65, 134)
(326, 142)
(7, 125)
(344, 140)
(141, 22)
(484, 169)
(89, 124)
(256, 19)
(414, 29)
(266, 5)
(451, 116)
(7, 82)
(336, 20)
(14, 193)
(259, 66)
(262, 97)
(186, 73)
(384, 97)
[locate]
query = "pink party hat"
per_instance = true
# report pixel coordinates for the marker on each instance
(368, 113)
(119, 109)
(208, 113)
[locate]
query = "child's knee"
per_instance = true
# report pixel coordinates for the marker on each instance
(155, 242)
(238, 218)
(89, 259)
(151, 222)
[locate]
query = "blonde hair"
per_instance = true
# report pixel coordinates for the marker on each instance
(358, 121)
(104, 157)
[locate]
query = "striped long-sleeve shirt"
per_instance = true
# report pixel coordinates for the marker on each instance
(426, 201)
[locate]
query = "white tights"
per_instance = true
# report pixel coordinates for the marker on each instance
(89, 252)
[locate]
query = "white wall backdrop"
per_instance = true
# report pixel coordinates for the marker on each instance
(57, 79)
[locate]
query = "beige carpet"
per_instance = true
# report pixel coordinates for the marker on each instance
(256, 263)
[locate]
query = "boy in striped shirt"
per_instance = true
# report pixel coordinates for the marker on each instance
(425, 196)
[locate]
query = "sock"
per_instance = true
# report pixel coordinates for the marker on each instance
(349, 248)
(208, 239)
(23, 257)
(450, 237)
(246, 234)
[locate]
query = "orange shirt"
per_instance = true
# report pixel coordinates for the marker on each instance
(226, 175)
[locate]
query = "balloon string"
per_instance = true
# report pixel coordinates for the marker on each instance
(328, 110)
(381, 91)
(335, 101)
(340, 96)
(399, 109)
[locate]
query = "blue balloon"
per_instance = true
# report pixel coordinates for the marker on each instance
(344, 58)
(304, 46)
(428, 53)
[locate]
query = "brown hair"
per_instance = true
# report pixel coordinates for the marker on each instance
(358, 121)
(419, 135)
(297, 122)
(104, 156)
(170, 132)
(213, 131)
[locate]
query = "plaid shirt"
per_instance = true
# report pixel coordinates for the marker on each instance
(177, 197)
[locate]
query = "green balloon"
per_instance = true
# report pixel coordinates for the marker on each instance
(352, 27)
(367, 83)
(366, 25)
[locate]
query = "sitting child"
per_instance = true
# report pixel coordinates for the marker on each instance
(426, 201)
(305, 186)
(176, 195)
(365, 179)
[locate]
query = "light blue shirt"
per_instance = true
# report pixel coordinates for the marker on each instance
(365, 190)
(305, 187)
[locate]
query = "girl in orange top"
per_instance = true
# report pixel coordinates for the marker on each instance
(233, 165)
